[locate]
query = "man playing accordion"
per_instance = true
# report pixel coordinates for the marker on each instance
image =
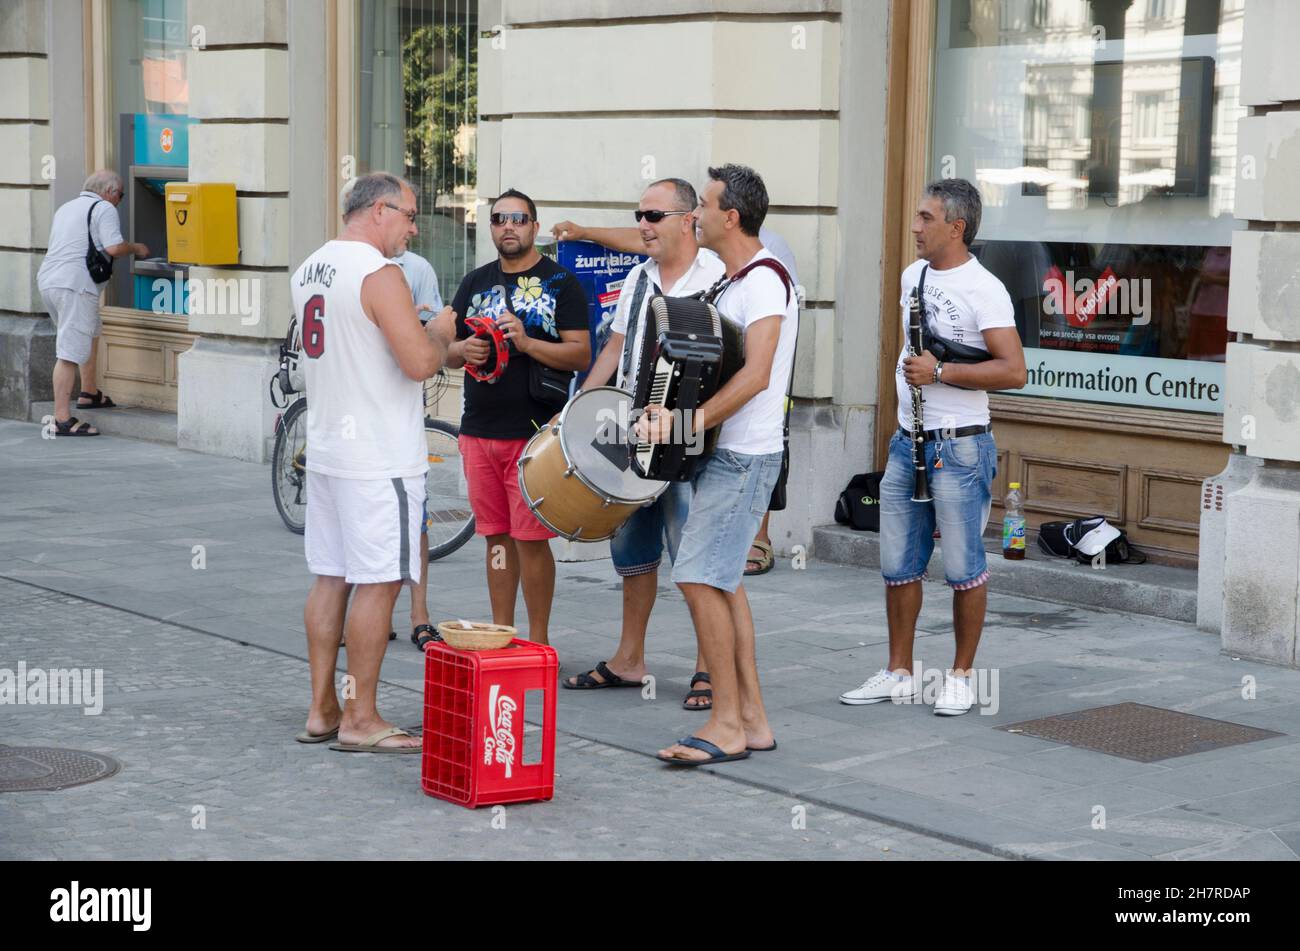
(731, 487)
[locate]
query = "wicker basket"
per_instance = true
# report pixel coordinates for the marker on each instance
(480, 637)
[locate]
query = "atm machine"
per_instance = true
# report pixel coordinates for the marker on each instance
(149, 225)
(155, 151)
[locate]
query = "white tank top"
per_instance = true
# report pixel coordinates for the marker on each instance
(365, 418)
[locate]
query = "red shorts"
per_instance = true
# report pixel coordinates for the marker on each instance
(492, 471)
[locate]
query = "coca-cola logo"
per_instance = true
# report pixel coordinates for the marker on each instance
(499, 738)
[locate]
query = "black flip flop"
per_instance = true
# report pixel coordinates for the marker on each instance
(700, 677)
(424, 640)
(762, 749)
(588, 682)
(716, 753)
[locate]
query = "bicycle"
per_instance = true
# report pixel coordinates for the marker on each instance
(450, 523)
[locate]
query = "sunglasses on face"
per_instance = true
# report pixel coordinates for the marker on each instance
(654, 217)
(500, 218)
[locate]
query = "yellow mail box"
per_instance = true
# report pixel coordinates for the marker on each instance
(201, 223)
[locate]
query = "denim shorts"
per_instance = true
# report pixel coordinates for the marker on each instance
(962, 492)
(729, 496)
(638, 548)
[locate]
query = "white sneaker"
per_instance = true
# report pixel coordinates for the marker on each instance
(882, 685)
(955, 698)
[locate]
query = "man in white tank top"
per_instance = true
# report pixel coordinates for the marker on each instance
(366, 358)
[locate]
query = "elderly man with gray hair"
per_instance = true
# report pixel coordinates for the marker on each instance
(367, 358)
(71, 294)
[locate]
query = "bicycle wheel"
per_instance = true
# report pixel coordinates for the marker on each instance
(450, 522)
(289, 467)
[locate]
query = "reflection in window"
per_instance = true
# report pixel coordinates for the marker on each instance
(1102, 136)
(416, 116)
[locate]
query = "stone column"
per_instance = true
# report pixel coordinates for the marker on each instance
(27, 171)
(239, 80)
(1261, 536)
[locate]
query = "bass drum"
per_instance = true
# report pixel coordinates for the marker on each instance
(576, 474)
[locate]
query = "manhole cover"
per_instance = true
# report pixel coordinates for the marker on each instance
(30, 768)
(1138, 732)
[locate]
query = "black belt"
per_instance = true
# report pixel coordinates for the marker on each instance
(933, 434)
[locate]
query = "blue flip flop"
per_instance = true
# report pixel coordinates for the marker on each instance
(716, 753)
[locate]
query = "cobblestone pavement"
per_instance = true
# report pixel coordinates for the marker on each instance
(203, 727)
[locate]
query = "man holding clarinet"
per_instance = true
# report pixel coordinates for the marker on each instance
(941, 466)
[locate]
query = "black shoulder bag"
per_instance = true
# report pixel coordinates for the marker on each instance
(945, 350)
(546, 385)
(99, 264)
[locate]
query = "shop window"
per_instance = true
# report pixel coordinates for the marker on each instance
(416, 114)
(1104, 146)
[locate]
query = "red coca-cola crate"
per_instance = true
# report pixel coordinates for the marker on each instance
(474, 723)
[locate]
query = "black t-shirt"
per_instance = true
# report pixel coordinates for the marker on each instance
(547, 299)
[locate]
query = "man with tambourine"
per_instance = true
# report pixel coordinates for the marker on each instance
(521, 332)
(941, 466)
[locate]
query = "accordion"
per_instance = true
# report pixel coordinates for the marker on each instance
(688, 351)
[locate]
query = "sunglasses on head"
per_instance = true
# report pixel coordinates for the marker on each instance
(654, 217)
(513, 217)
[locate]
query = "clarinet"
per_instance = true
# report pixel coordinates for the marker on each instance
(915, 344)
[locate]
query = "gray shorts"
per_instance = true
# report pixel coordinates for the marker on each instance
(729, 497)
(76, 322)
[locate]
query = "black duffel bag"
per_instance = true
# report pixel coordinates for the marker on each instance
(1085, 538)
(859, 504)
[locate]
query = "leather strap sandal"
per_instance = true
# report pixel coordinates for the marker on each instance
(706, 694)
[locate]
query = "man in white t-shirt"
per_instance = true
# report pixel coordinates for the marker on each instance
(366, 359)
(678, 267)
(71, 296)
(965, 305)
(732, 487)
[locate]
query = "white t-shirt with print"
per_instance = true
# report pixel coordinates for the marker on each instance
(759, 425)
(703, 273)
(960, 304)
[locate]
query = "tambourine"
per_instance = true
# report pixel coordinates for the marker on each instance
(486, 327)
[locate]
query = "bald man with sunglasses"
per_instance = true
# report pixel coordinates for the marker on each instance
(677, 267)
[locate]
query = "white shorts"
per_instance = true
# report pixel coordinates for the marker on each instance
(76, 322)
(366, 531)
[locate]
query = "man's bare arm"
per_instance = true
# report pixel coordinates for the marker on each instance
(573, 352)
(127, 247)
(761, 338)
(1006, 371)
(386, 300)
(627, 240)
(603, 373)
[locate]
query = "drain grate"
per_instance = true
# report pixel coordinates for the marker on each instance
(1138, 732)
(33, 768)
